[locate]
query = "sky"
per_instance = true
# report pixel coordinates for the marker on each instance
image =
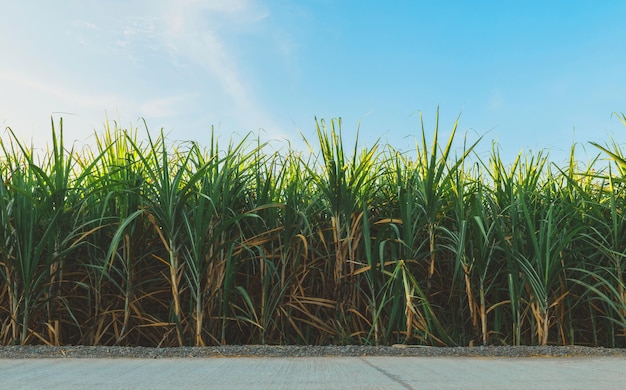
(527, 75)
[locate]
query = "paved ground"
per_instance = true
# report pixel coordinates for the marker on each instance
(316, 373)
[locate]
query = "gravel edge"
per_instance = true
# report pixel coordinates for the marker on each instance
(34, 352)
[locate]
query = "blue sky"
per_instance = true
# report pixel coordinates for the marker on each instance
(530, 75)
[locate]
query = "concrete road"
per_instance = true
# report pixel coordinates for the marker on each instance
(316, 373)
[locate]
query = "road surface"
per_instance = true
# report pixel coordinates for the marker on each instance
(316, 373)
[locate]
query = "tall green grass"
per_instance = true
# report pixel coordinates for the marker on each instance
(141, 241)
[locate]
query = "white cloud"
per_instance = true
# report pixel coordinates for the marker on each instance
(29, 103)
(63, 95)
(172, 61)
(163, 107)
(194, 31)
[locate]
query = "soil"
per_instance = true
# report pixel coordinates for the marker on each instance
(28, 352)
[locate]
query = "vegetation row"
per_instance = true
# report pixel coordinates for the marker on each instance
(145, 242)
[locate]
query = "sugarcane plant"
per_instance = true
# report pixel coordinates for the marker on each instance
(137, 239)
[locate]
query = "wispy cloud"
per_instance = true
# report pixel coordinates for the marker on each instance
(177, 61)
(30, 102)
(192, 31)
(201, 34)
(199, 40)
(62, 94)
(138, 28)
(164, 107)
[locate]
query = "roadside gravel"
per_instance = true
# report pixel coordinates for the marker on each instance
(30, 352)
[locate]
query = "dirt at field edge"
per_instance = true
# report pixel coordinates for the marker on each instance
(30, 352)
